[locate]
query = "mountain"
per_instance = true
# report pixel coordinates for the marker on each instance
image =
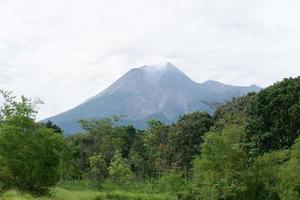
(148, 92)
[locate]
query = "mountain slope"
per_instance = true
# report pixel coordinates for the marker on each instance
(150, 92)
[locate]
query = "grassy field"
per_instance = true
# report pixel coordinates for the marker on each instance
(83, 191)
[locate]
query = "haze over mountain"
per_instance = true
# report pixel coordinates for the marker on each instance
(161, 92)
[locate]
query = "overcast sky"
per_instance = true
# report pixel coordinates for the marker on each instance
(65, 51)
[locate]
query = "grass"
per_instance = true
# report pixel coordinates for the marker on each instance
(83, 191)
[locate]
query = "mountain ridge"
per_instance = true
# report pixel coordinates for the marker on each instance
(164, 92)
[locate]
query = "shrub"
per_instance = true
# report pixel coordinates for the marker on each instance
(119, 169)
(289, 175)
(98, 167)
(170, 182)
(30, 154)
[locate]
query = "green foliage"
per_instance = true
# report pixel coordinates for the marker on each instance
(11, 107)
(186, 137)
(30, 153)
(119, 170)
(233, 112)
(274, 117)
(99, 169)
(5, 175)
(247, 151)
(164, 148)
(67, 167)
(139, 158)
(54, 127)
(262, 179)
(101, 137)
(219, 171)
(82, 190)
(289, 175)
(157, 146)
(171, 182)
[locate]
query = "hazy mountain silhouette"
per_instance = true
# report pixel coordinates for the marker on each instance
(148, 92)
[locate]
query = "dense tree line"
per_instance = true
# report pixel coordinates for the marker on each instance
(249, 149)
(158, 150)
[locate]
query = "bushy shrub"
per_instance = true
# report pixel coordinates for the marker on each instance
(219, 170)
(170, 182)
(30, 154)
(262, 178)
(289, 175)
(119, 169)
(98, 168)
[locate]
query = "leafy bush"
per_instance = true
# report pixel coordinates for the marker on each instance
(30, 154)
(218, 172)
(98, 167)
(119, 169)
(170, 182)
(289, 175)
(274, 117)
(262, 179)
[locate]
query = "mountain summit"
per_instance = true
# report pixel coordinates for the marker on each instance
(161, 92)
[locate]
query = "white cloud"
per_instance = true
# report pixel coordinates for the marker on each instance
(65, 51)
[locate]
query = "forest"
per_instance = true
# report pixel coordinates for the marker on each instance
(249, 149)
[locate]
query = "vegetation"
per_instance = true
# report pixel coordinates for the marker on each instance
(274, 117)
(30, 154)
(220, 170)
(249, 149)
(82, 190)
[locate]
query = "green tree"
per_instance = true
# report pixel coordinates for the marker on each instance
(186, 137)
(99, 169)
(119, 169)
(233, 112)
(262, 178)
(139, 157)
(218, 172)
(80, 145)
(158, 147)
(100, 137)
(171, 182)
(289, 175)
(54, 127)
(274, 117)
(103, 136)
(68, 169)
(6, 178)
(29, 152)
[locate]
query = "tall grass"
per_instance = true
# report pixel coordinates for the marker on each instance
(83, 190)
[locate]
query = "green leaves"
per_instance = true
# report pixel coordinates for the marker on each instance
(11, 107)
(119, 169)
(187, 137)
(98, 169)
(219, 170)
(274, 116)
(30, 154)
(289, 175)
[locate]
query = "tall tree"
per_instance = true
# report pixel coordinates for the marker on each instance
(99, 169)
(218, 171)
(274, 117)
(187, 136)
(233, 112)
(262, 177)
(156, 141)
(119, 169)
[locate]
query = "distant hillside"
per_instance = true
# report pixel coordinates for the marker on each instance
(148, 92)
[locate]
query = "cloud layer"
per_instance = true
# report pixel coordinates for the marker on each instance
(65, 51)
